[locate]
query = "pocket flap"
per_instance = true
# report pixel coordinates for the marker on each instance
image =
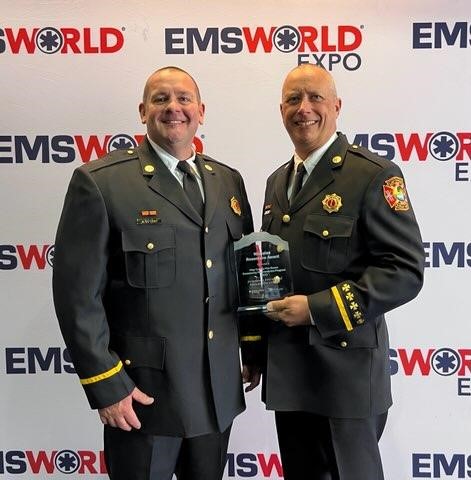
(149, 240)
(326, 227)
(140, 351)
(365, 336)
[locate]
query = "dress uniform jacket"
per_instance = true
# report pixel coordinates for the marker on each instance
(145, 290)
(356, 252)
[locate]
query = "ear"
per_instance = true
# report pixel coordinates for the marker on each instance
(142, 112)
(338, 105)
(201, 110)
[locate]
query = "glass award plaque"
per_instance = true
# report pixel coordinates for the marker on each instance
(263, 270)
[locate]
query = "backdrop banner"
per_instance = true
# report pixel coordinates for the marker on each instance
(72, 75)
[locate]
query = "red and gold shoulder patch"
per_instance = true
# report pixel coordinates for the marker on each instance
(235, 205)
(395, 193)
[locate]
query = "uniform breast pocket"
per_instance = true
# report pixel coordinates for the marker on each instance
(150, 256)
(326, 243)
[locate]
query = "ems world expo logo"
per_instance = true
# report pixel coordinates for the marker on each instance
(328, 46)
(68, 148)
(441, 465)
(440, 35)
(89, 462)
(26, 257)
(445, 362)
(63, 40)
(42, 462)
(442, 146)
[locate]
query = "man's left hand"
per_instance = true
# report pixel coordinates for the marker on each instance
(292, 311)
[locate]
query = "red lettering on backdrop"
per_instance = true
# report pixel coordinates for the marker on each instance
(22, 38)
(415, 359)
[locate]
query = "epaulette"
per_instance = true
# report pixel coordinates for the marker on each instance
(207, 158)
(112, 158)
(368, 155)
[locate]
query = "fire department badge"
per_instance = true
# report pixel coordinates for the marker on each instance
(332, 202)
(235, 205)
(395, 193)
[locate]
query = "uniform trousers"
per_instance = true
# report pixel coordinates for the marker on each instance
(138, 456)
(314, 447)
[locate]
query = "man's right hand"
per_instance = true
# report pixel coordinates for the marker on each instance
(121, 414)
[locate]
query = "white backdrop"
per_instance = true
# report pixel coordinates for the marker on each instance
(72, 73)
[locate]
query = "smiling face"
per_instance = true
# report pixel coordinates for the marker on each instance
(172, 110)
(309, 107)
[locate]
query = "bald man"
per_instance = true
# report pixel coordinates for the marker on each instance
(356, 253)
(145, 295)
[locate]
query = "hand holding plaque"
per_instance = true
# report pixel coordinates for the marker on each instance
(263, 270)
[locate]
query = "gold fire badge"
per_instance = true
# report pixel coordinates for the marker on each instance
(332, 203)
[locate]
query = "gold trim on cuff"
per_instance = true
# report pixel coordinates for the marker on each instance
(251, 338)
(102, 376)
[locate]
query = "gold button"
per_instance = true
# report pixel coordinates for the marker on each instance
(150, 246)
(149, 168)
(286, 218)
(279, 248)
(206, 229)
(209, 263)
(354, 146)
(337, 159)
(127, 362)
(325, 233)
(343, 344)
(210, 334)
(130, 152)
(208, 167)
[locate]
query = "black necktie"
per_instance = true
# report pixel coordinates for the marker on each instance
(298, 181)
(191, 188)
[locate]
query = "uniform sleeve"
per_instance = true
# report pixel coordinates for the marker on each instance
(252, 327)
(79, 279)
(393, 263)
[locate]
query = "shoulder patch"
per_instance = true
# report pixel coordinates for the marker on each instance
(394, 192)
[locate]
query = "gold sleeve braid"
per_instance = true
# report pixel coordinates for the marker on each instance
(349, 309)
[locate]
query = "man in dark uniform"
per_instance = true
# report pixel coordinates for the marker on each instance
(356, 253)
(145, 293)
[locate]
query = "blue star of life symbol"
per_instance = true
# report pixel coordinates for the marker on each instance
(445, 362)
(286, 38)
(67, 461)
(49, 40)
(443, 146)
(121, 142)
